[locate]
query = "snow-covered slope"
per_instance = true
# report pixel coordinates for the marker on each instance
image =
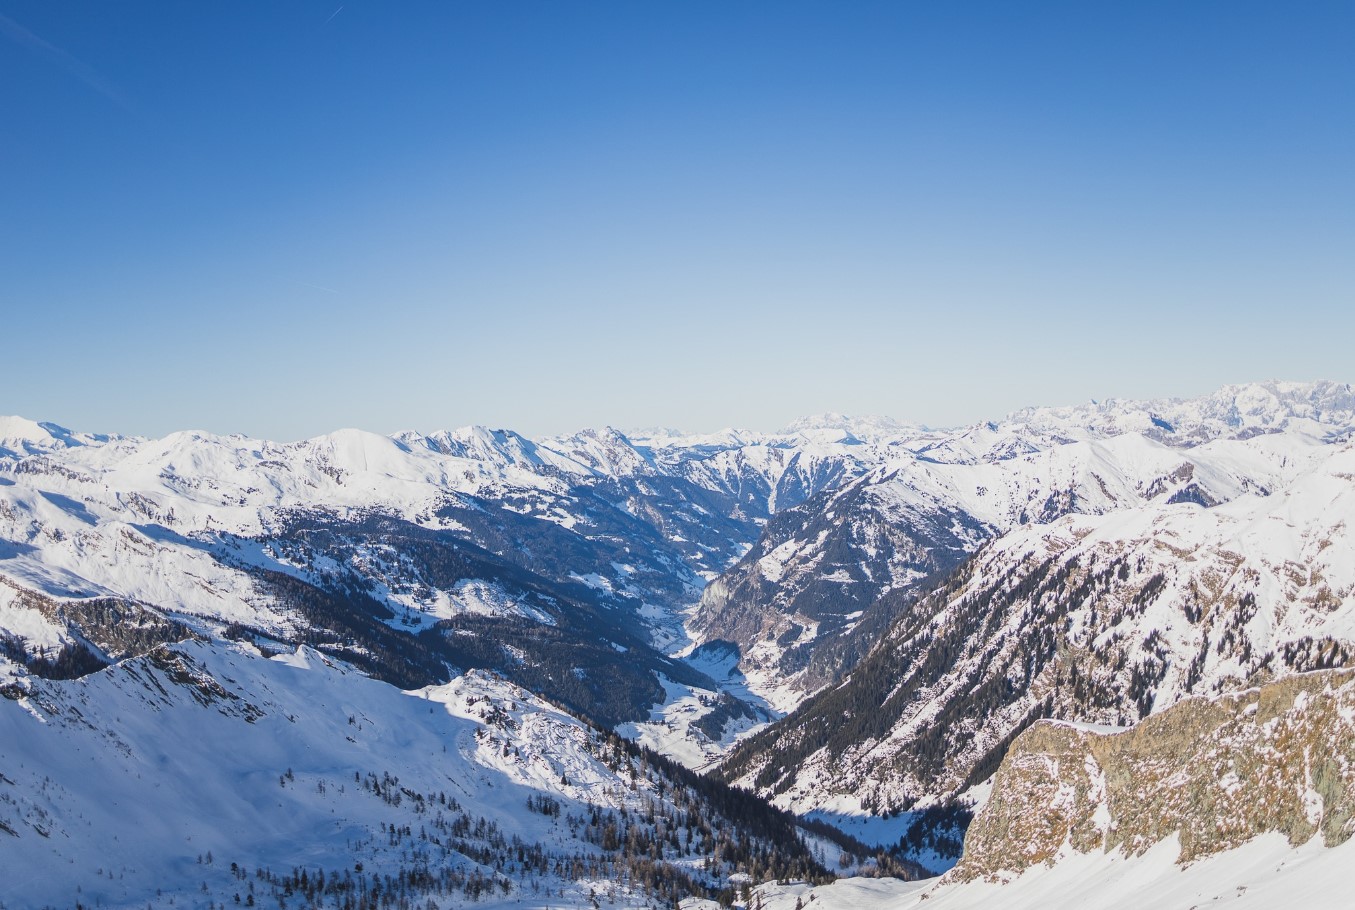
(201, 771)
(1265, 874)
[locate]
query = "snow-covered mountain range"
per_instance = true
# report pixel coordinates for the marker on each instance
(906, 600)
(825, 578)
(562, 552)
(407, 554)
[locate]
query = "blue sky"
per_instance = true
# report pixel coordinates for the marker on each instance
(279, 219)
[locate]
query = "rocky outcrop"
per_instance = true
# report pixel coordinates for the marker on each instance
(1214, 773)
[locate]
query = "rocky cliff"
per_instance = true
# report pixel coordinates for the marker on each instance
(1214, 773)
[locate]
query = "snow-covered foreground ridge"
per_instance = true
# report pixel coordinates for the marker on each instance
(201, 771)
(1265, 874)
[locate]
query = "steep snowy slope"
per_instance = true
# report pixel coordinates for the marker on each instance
(1101, 618)
(204, 771)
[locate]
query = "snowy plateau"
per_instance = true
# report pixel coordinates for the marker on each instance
(648, 668)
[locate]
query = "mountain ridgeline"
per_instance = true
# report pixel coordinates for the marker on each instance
(563, 566)
(826, 577)
(854, 618)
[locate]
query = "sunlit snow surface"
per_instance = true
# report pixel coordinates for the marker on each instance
(1266, 874)
(122, 782)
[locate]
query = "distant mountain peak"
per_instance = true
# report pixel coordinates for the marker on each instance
(870, 428)
(22, 436)
(1246, 408)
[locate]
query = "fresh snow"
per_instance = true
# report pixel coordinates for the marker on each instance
(1265, 874)
(147, 780)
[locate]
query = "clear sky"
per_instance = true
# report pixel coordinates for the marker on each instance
(284, 218)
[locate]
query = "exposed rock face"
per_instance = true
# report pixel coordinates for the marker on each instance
(1213, 772)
